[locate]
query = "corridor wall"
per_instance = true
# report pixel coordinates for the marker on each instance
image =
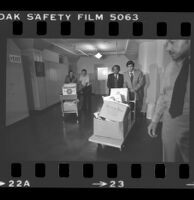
(16, 100)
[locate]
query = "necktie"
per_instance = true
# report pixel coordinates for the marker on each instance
(131, 77)
(115, 81)
(178, 95)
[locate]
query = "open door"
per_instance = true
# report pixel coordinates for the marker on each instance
(100, 80)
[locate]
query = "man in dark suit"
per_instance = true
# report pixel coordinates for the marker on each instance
(115, 80)
(134, 81)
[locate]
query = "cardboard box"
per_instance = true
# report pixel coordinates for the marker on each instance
(121, 91)
(113, 111)
(113, 129)
(69, 91)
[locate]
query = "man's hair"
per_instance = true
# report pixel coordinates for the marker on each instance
(117, 66)
(130, 62)
(84, 70)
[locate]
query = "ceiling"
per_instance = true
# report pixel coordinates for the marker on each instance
(83, 47)
(88, 47)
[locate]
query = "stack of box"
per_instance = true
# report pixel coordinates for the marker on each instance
(114, 118)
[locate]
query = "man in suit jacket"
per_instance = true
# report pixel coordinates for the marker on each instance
(134, 81)
(115, 80)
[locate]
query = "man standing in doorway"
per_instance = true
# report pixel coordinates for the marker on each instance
(134, 81)
(173, 105)
(115, 80)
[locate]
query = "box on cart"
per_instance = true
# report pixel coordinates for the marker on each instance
(69, 91)
(114, 111)
(113, 120)
(113, 129)
(124, 92)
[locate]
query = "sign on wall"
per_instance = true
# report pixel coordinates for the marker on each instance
(15, 58)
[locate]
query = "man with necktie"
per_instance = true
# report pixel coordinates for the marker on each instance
(134, 81)
(115, 80)
(173, 105)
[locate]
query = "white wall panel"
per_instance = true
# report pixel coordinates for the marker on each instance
(153, 58)
(54, 79)
(16, 99)
(50, 56)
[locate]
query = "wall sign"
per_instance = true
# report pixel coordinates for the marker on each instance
(15, 58)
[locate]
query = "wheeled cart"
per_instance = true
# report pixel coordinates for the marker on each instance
(109, 133)
(69, 99)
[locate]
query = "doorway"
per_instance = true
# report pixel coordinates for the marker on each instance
(100, 80)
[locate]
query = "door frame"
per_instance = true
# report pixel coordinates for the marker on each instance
(96, 66)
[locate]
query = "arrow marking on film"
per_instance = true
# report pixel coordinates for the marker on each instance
(2, 183)
(100, 184)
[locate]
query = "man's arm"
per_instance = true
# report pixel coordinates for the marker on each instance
(125, 85)
(122, 80)
(140, 83)
(161, 103)
(88, 80)
(75, 79)
(160, 108)
(108, 82)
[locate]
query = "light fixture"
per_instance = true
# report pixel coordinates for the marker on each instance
(98, 55)
(103, 46)
(85, 47)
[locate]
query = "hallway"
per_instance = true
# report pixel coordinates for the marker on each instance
(47, 136)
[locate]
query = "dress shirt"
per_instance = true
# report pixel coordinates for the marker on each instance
(84, 80)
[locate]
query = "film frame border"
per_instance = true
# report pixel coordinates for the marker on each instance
(174, 26)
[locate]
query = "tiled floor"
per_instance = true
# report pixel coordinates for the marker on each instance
(47, 136)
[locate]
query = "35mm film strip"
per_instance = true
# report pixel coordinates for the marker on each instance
(141, 138)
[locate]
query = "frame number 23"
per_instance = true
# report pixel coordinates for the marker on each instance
(117, 184)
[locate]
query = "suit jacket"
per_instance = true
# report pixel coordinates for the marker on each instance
(111, 81)
(137, 84)
(70, 80)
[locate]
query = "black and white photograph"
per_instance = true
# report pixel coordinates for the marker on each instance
(97, 100)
